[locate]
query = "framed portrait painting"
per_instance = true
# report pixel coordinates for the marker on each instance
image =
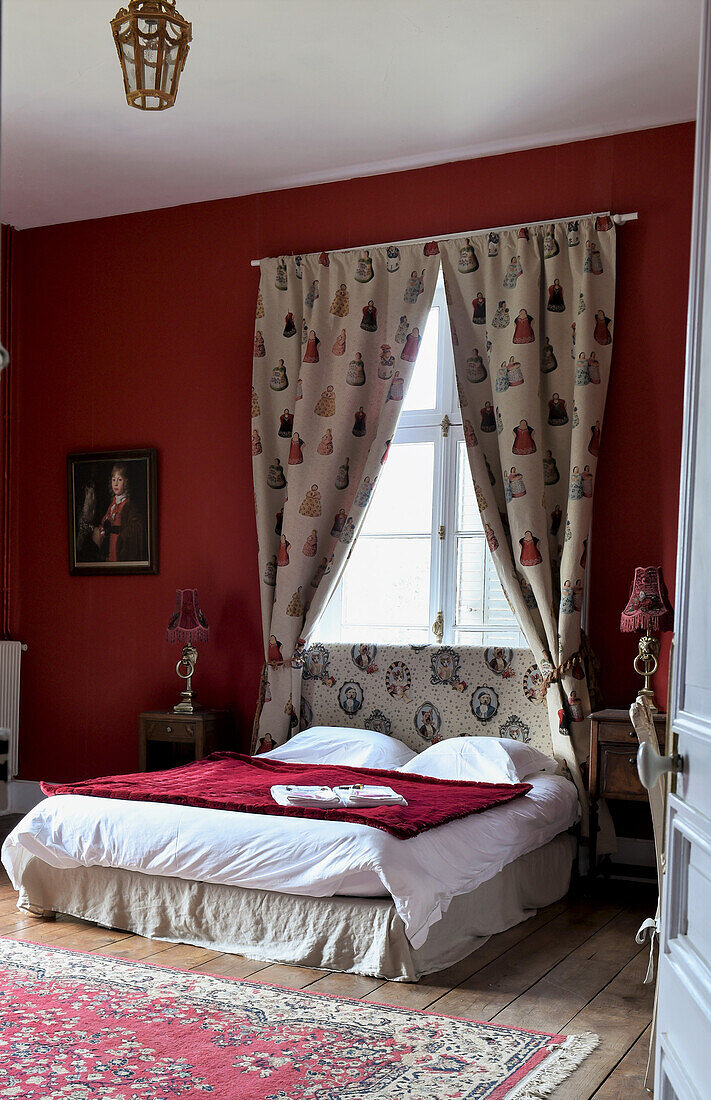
(112, 498)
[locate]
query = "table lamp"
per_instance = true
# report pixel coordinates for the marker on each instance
(188, 625)
(647, 610)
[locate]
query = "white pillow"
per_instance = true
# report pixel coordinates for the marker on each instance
(342, 745)
(482, 759)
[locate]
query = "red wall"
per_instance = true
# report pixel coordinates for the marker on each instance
(137, 330)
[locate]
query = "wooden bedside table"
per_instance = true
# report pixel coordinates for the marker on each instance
(613, 764)
(167, 739)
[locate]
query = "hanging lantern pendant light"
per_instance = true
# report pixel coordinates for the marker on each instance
(152, 40)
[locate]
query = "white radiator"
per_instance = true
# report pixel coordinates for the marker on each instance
(10, 658)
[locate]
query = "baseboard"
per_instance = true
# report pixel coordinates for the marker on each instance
(22, 795)
(634, 851)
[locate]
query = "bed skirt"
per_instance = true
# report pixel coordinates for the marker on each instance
(346, 934)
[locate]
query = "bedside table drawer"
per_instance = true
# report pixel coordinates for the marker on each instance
(622, 732)
(618, 773)
(170, 730)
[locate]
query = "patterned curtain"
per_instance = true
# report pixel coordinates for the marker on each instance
(531, 313)
(336, 338)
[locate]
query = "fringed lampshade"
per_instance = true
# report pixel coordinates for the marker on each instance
(647, 610)
(152, 40)
(647, 607)
(187, 624)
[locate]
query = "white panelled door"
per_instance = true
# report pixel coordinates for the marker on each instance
(683, 1045)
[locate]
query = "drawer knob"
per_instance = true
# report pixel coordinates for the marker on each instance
(168, 729)
(652, 766)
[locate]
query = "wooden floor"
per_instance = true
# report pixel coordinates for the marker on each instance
(574, 967)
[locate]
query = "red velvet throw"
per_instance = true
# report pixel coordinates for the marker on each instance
(228, 781)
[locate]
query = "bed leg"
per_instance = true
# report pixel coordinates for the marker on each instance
(36, 911)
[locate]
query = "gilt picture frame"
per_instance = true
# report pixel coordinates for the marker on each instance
(112, 499)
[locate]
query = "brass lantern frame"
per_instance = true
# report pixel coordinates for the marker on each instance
(147, 34)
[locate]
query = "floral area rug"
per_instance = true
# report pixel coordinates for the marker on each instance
(75, 1026)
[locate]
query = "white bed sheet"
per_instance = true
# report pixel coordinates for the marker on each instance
(296, 855)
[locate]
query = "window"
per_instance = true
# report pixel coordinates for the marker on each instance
(422, 548)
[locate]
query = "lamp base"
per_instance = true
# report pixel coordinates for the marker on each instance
(648, 694)
(646, 664)
(186, 704)
(188, 661)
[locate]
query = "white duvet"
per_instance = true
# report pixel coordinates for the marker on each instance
(296, 855)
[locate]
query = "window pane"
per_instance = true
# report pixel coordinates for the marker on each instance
(469, 637)
(468, 517)
(402, 501)
(497, 606)
(387, 584)
(384, 635)
(480, 597)
(470, 580)
(512, 638)
(422, 393)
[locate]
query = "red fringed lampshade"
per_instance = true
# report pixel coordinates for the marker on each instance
(187, 623)
(647, 607)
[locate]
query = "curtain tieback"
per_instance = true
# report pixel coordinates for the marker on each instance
(295, 661)
(289, 662)
(556, 673)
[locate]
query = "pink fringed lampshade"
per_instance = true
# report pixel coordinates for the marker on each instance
(187, 623)
(647, 607)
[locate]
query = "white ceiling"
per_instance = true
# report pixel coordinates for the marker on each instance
(278, 93)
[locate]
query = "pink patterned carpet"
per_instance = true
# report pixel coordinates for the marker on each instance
(86, 1027)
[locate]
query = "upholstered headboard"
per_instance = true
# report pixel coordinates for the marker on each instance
(421, 694)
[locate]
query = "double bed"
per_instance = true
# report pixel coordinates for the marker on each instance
(328, 893)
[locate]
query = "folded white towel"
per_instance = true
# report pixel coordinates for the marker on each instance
(358, 795)
(304, 796)
(353, 796)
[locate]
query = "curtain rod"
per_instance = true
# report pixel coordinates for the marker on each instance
(619, 219)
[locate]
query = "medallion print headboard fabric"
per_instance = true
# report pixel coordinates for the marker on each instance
(422, 694)
(336, 339)
(532, 317)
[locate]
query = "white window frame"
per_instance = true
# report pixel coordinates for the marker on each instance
(426, 425)
(449, 597)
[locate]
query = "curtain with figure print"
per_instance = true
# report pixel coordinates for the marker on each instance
(336, 340)
(531, 312)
